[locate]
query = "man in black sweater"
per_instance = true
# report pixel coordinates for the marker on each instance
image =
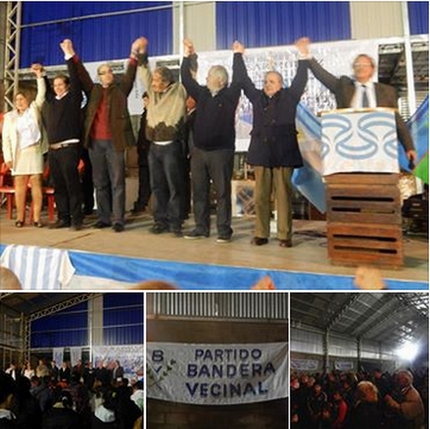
(214, 141)
(63, 121)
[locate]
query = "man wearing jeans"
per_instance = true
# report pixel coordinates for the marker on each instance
(212, 155)
(164, 129)
(107, 132)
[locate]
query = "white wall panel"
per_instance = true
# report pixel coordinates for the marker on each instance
(306, 342)
(199, 25)
(342, 347)
(376, 19)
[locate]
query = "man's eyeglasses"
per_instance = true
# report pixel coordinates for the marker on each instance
(105, 72)
(357, 65)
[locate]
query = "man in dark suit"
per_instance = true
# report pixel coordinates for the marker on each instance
(274, 150)
(360, 91)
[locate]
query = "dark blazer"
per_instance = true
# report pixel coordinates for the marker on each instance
(214, 122)
(274, 135)
(119, 117)
(343, 89)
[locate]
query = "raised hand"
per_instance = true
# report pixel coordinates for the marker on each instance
(67, 46)
(37, 69)
(302, 45)
(139, 45)
(238, 48)
(188, 47)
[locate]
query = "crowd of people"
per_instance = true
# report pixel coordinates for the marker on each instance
(374, 400)
(69, 397)
(186, 140)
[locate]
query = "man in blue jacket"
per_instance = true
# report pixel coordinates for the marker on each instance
(214, 136)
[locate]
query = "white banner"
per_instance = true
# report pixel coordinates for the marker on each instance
(305, 364)
(217, 374)
(343, 365)
(75, 355)
(58, 355)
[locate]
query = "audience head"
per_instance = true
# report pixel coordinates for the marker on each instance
(404, 378)
(110, 399)
(65, 398)
(145, 99)
(217, 78)
(162, 78)
(154, 285)
(273, 83)
(367, 392)
(8, 279)
(7, 390)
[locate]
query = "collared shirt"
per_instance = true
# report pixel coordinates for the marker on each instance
(357, 100)
(27, 129)
(59, 97)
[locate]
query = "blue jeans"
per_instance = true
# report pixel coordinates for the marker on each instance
(109, 180)
(167, 176)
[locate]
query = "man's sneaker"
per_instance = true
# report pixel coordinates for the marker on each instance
(158, 228)
(224, 238)
(118, 227)
(195, 235)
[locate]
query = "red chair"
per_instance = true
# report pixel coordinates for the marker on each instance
(7, 190)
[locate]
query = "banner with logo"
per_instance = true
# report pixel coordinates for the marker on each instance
(305, 364)
(217, 374)
(130, 358)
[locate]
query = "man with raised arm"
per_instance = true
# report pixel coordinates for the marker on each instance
(359, 91)
(164, 129)
(274, 150)
(62, 117)
(212, 155)
(107, 132)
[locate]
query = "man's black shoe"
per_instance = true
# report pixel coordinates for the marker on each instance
(158, 228)
(195, 235)
(118, 227)
(258, 241)
(60, 223)
(100, 224)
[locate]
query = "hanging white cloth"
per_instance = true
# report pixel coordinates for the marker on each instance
(38, 268)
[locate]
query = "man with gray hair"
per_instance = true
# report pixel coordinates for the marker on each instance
(164, 127)
(274, 150)
(214, 142)
(408, 404)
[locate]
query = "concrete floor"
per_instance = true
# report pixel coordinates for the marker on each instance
(309, 253)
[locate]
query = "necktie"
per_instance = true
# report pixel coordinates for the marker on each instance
(365, 100)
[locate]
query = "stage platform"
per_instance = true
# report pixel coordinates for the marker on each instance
(105, 260)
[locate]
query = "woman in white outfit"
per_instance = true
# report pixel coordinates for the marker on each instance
(23, 148)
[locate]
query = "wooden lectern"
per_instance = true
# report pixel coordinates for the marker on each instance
(361, 172)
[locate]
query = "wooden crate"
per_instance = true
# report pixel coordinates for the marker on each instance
(364, 222)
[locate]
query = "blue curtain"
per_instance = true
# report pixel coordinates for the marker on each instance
(418, 17)
(123, 318)
(66, 328)
(259, 24)
(95, 38)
